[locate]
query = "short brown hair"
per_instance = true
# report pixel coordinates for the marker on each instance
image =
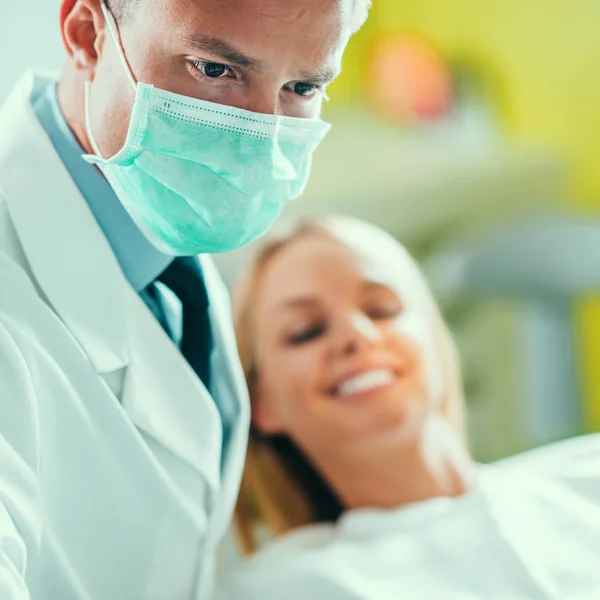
(124, 10)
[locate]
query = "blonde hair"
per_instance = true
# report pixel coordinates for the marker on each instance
(280, 489)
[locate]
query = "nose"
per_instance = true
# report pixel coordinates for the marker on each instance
(357, 333)
(262, 101)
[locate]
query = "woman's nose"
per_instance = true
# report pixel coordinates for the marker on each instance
(358, 332)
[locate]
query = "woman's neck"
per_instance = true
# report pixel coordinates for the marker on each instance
(402, 471)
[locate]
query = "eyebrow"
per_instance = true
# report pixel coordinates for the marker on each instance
(225, 51)
(321, 76)
(375, 285)
(310, 302)
(298, 302)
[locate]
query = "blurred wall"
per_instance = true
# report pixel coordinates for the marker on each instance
(542, 58)
(29, 37)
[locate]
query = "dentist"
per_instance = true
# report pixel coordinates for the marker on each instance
(178, 128)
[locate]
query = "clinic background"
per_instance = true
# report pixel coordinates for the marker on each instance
(471, 131)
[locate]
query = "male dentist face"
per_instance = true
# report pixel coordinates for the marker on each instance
(266, 56)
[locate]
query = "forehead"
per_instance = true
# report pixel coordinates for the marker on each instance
(320, 265)
(312, 260)
(258, 23)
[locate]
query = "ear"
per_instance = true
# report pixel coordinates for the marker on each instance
(82, 28)
(264, 414)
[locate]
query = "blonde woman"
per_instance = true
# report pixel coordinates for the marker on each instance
(358, 470)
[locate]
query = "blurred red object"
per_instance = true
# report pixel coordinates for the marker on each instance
(408, 79)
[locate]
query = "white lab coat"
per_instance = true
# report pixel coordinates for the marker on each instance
(112, 480)
(530, 531)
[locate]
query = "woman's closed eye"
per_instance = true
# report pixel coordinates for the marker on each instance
(305, 334)
(388, 308)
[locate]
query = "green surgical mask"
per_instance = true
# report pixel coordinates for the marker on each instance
(199, 177)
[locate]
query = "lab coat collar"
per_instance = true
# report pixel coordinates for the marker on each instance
(79, 275)
(68, 254)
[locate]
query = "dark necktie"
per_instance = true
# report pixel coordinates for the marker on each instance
(184, 278)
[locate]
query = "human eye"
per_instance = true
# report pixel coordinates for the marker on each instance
(383, 304)
(384, 311)
(212, 70)
(304, 89)
(306, 334)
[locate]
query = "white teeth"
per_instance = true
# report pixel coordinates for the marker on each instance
(365, 382)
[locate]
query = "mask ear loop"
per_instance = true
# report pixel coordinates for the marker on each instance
(113, 29)
(114, 34)
(88, 126)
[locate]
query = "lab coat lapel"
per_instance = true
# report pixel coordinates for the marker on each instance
(68, 254)
(165, 397)
(79, 275)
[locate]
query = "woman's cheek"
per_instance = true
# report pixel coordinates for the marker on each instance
(301, 369)
(419, 329)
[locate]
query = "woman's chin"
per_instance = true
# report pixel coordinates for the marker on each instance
(383, 413)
